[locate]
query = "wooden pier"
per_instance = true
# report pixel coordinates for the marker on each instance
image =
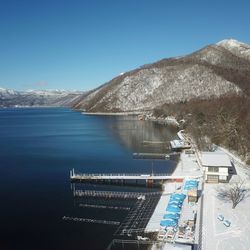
(124, 176)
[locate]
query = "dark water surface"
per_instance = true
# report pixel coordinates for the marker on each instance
(38, 147)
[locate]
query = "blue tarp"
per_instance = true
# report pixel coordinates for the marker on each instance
(191, 184)
(175, 204)
(173, 209)
(178, 196)
(190, 187)
(176, 200)
(171, 216)
(168, 223)
(194, 182)
(191, 181)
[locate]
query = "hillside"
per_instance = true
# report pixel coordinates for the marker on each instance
(208, 89)
(214, 71)
(223, 121)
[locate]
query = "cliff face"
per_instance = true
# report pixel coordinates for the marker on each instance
(214, 71)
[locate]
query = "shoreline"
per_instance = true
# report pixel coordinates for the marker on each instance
(35, 107)
(170, 122)
(186, 168)
(111, 113)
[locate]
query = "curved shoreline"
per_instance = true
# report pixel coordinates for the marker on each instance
(111, 113)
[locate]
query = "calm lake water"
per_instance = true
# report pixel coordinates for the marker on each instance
(38, 148)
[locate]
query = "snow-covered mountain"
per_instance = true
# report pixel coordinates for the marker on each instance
(4, 93)
(12, 98)
(216, 70)
(235, 47)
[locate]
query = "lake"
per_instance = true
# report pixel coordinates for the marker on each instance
(38, 148)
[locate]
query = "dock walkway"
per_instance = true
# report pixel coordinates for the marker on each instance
(125, 176)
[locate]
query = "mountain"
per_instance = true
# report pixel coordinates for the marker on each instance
(12, 98)
(217, 70)
(235, 47)
(4, 93)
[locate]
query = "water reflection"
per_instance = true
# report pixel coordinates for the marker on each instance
(142, 136)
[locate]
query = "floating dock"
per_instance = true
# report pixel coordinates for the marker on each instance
(150, 156)
(104, 207)
(156, 156)
(77, 219)
(113, 194)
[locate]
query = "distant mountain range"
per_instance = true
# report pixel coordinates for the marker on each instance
(214, 71)
(29, 98)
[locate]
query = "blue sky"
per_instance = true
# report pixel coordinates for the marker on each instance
(75, 44)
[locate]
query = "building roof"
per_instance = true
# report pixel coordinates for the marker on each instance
(215, 159)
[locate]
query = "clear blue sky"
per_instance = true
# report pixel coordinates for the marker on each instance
(48, 44)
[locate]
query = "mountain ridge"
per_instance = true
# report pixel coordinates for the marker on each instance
(213, 71)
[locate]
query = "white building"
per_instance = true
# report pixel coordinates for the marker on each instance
(216, 166)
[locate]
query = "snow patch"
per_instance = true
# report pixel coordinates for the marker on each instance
(236, 47)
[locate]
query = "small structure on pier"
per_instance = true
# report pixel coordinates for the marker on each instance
(178, 145)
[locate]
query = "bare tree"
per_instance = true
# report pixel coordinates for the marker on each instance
(235, 192)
